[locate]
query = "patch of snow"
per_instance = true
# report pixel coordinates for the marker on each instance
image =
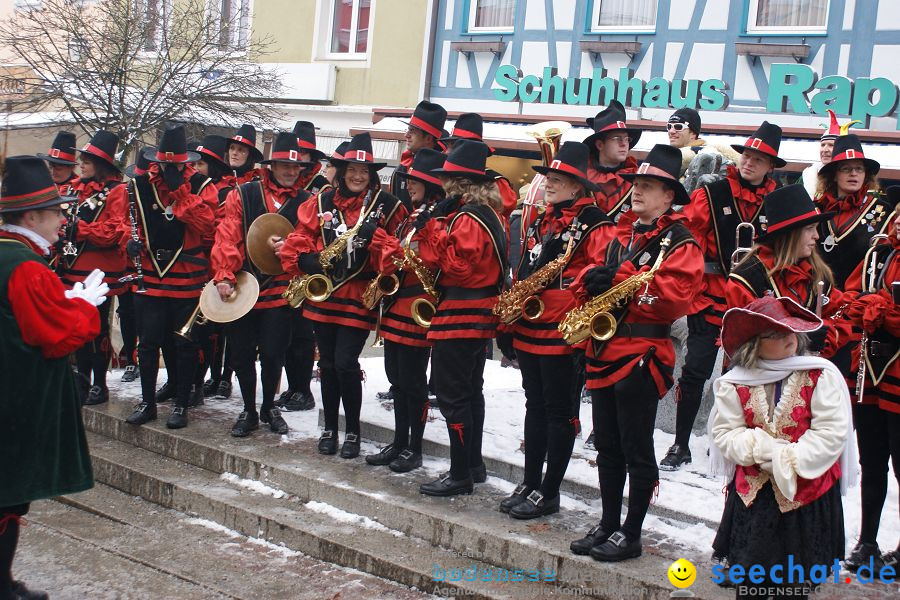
(213, 525)
(253, 485)
(342, 516)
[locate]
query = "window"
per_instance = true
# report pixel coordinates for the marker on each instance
(492, 15)
(624, 15)
(155, 14)
(787, 16)
(350, 27)
(233, 23)
(28, 4)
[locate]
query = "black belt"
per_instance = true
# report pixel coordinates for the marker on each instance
(461, 293)
(409, 292)
(163, 255)
(712, 267)
(883, 349)
(643, 330)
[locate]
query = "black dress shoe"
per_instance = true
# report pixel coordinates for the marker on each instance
(596, 536)
(144, 413)
(536, 505)
(519, 494)
(617, 548)
(861, 554)
(97, 395)
(224, 390)
(677, 456)
(350, 447)
(384, 457)
(299, 401)
(388, 395)
(328, 442)
(891, 559)
(196, 398)
(246, 422)
(131, 373)
(284, 397)
(178, 419)
(446, 486)
(166, 392)
(479, 473)
(406, 461)
(274, 420)
(210, 386)
(20, 592)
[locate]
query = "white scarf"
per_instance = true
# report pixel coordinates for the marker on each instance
(27, 233)
(771, 371)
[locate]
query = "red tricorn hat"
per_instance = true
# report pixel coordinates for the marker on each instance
(740, 325)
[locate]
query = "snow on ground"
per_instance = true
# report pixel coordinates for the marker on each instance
(688, 491)
(342, 516)
(253, 485)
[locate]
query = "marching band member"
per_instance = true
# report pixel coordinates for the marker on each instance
(342, 323)
(243, 154)
(426, 127)
(172, 210)
(715, 212)
(311, 178)
(574, 228)
(61, 161)
(265, 330)
(810, 175)
(609, 146)
(629, 373)
(465, 239)
(406, 347)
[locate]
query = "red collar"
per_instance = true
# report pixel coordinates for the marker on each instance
(275, 188)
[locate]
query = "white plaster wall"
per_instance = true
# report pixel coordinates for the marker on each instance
(564, 15)
(680, 14)
(535, 17)
(888, 15)
(534, 57)
(706, 62)
(673, 54)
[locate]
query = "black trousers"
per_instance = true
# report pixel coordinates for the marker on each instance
(127, 325)
(551, 421)
(9, 539)
(699, 363)
(624, 417)
(93, 357)
(878, 438)
(298, 363)
(340, 377)
(406, 368)
(265, 332)
(210, 337)
(457, 368)
(158, 319)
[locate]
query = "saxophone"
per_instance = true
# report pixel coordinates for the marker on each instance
(594, 318)
(522, 299)
(422, 309)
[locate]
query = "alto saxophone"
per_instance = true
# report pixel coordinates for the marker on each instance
(522, 299)
(422, 309)
(594, 318)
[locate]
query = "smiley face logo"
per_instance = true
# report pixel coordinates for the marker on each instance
(682, 573)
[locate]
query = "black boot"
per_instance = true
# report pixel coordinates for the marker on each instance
(688, 396)
(178, 419)
(144, 413)
(517, 497)
(384, 457)
(246, 422)
(97, 395)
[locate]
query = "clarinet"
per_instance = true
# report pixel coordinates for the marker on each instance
(135, 237)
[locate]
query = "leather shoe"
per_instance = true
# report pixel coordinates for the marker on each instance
(479, 473)
(446, 486)
(144, 413)
(518, 496)
(178, 419)
(596, 536)
(617, 548)
(860, 556)
(299, 401)
(328, 442)
(891, 559)
(677, 456)
(166, 392)
(196, 398)
(274, 420)
(406, 462)
(209, 388)
(20, 592)
(224, 390)
(131, 373)
(384, 457)
(246, 422)
(387, 395)
(536, 505)
(284, 397)
(97, 395)
(350, 447)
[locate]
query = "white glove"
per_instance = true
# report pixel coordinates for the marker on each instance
(93, 290)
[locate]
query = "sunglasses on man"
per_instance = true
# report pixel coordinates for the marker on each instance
(676, 126)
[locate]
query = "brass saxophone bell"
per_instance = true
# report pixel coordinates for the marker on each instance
(603, 326)
(318, 288)
(388, 284)
(532, 308)
(422, 312)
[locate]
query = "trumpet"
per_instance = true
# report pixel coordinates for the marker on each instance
(187, 330)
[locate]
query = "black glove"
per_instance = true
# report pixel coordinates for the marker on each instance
(367, 232)
(133, 248)
(422, 218)
(445, 206)
(505, 344)
(599, 280)
(309, 263)
(173, 177)
(817, 339)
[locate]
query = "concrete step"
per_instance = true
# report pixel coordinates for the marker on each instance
(464, 524)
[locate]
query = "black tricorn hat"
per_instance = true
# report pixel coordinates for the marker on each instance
(424, 163)
(246, 136)
(848, 147)
(468, 159)
(429, 117)
(306, 136)
(141, 164)
(62, 151)
(172, 148)
(286, 149)
(103, 145)
(213, 147)
(789, 208)
(27, 186)
(611, 118)
(571, 160)
(766, 139)
(359, 151)
(663, 163)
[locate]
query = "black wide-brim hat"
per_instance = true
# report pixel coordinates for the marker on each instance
(469, 126)
(213, 147)
(359, 151)
(467, 159)
(787, 209)
(663, 163)
(306, 138)
(172, 148)
(570, 160)
(246, 136)
(62, 151)
(27, 185)
(141, 164)
(608, 120)
(286, 149)
(103, 146)
(767, 140)
(424, 163)
(848, 147)
(429, 117)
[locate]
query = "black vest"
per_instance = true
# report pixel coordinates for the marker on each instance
(253, 205)
(842, 248)
(725, 219)
(489, 220)
(317, 184)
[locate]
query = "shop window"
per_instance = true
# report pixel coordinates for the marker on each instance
(350, 27)
(492, 15)
(232, 29)
(638, 16)
(787, 16)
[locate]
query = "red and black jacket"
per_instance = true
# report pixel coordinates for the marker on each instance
(313, 181)
(70, 186)
(613, 192)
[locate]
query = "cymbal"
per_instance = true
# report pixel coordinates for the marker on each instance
(258, 250)
(246, 293)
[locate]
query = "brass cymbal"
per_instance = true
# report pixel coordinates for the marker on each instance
(246, 293)
(258, 250)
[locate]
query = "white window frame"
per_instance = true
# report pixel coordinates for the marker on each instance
(166, 7)
(236, 46)
(328, 54)
(471, 28)
(753, 12)
(595, 18)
